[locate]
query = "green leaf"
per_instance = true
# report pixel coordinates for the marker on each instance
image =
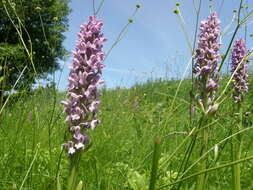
(136, 180)
(2, 79)
(58, 185)
(80, 186)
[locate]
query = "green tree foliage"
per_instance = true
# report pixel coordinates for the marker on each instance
(41, 24)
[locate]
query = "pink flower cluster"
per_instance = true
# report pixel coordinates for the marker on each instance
(240, 79)
(82, 104)
(207, 58)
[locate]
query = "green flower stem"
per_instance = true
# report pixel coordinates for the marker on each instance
(203, 162)
(204, 124)
(206, 171)
(73, 173)
(234, 34)
(156, 156)
(236, 152)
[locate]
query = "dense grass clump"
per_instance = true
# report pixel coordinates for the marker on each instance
(32, 132)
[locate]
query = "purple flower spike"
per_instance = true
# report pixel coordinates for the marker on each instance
(207, 58)
(84, 79)
(240, 79)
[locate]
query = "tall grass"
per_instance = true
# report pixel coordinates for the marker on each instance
(122, 145)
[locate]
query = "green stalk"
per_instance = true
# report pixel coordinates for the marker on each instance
(236, 153)
(73, 173)
(204, 125)
(203, 162)
(156, 156)
(206, 171)
(232, 39)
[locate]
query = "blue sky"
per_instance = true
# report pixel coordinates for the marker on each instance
(154, 45)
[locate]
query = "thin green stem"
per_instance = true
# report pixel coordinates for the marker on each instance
(232, 76)
(236, 152)
(51, 119)
(156, 156)
(177, 149)
(99, 7)
(193, 49)
(73, 173)
(121, 35)
(232, 39)
(191, 147)
(229, 46)
(30, 167)
(183, 25)
(19, 31)
(179, 85)
(93, 6)
(211, 149)
(13, 89)
(206, 171)
(187, 157)
(203, 162)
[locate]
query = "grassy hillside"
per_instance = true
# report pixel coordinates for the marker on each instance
(33, 129)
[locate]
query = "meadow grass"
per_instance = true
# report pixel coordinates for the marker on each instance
(122, 145)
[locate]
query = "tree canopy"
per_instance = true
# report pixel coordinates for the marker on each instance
(31, 36)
